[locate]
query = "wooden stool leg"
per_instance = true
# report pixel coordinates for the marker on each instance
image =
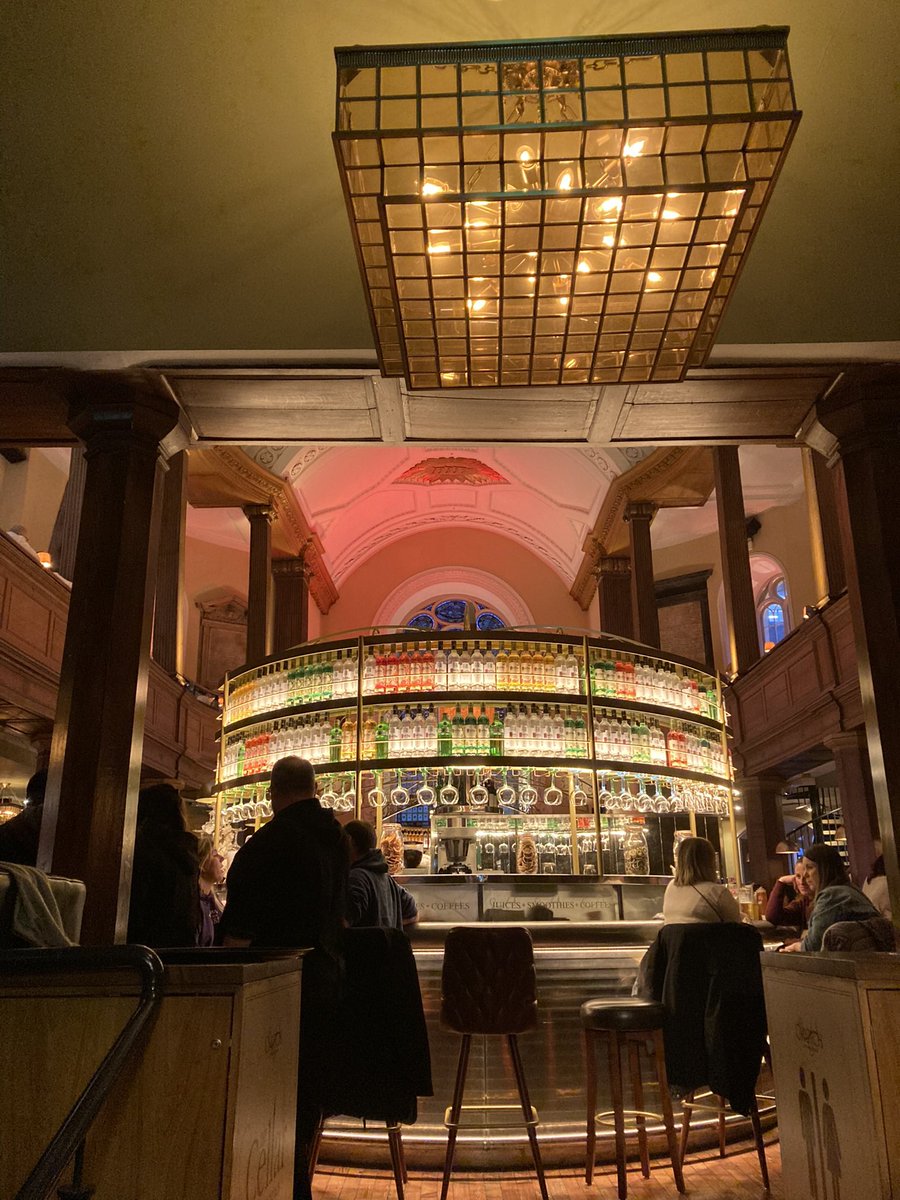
(615, 1087)
(686, 1112)
(760, 1145)
(396, 1143)
(314, 1146)
(638, 1093)
(590, 1051)
(720, 1100)
(666, 1100)
(527, 1112)
(455, 1108)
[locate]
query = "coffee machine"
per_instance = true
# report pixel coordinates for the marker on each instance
(454, 850)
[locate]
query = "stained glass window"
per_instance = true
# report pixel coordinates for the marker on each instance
(772, 612)
(450, 613)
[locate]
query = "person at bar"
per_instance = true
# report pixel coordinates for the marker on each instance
(695, 896)
(165, 878)
(790, 901)
(835, 898)
(287, 886)
(19, 837)
(374, 896)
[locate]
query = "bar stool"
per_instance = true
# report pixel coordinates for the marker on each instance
(626, 1023)
(488, 987)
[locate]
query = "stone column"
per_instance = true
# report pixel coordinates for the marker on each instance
(168, 614)
(95, 760)
(290, 624)
(639, 515)
(259, 590)
(64, 538)
(614, 595)
(764, 821)
(740, 608)
(851, 761)
(857, 424)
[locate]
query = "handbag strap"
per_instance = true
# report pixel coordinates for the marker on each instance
(708, 901)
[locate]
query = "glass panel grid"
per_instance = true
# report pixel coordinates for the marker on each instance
(566, 220)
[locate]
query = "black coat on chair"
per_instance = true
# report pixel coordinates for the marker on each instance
(710, 980)
(382, 1062)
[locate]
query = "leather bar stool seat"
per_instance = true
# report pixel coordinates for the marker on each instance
(627, 1015)
(627, 1024)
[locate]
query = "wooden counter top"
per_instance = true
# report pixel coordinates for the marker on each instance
(863, 967)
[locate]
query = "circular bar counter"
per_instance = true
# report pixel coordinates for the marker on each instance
(574, 961)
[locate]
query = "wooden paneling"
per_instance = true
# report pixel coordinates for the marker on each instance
(803, 691)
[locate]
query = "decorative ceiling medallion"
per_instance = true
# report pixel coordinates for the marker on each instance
(564, 212)
(469, 471)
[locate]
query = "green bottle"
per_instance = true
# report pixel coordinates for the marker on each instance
(334, 742)
(470, 733)
(496, 735)
(458, 737)
(484, 733)
(381, 737)
(445, 736)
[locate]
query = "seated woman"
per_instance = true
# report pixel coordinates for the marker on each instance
(835, 898)
(694, 896)
(790, 902)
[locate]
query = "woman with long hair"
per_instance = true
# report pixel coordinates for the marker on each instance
(695, 896)
(165, 878)
(835, 898)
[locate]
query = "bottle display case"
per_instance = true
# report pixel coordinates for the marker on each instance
(521, 754)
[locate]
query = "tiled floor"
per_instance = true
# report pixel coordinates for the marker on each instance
(706, 1177)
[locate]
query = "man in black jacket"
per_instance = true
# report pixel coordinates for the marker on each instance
(375, 897)
(287, 887)
(19, 836)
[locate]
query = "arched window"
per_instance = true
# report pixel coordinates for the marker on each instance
(772, 612)
(449, 612)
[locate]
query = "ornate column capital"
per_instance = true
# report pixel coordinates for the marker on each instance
(135, 408)
(860, 411)
(640, 510)
(289, 567)
(609, 564)
(259, 512)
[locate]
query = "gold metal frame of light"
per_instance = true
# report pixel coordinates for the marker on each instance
(558, 212)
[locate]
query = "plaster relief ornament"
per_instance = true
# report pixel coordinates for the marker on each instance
(451, 469)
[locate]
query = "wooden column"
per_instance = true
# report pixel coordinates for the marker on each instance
(740, 608)
(764, 821)
(64, 538)
(290, 625)
(88, 826)
(858, 424)
(854, 779)
(168, 613)
(259, 590)
(824, 525)
(639, 515)
(614, 595)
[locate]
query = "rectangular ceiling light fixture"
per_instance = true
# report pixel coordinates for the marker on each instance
(565, 212)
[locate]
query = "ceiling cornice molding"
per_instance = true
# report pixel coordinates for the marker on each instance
(672, 477)
(226, 477)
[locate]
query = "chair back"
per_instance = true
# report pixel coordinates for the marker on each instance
(488, 981)
(872, 936)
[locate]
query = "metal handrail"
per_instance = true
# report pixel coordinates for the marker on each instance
(67, 1140)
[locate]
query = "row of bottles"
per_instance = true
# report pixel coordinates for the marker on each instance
(634, 738)
(461, 667)
(320, 739)
(621, 678)
(301, 681)
(469, 731)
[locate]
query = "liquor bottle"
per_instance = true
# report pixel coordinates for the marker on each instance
(390, 672)
(428, 672)
(404, 675)
(621, 685)
(458, 739)
(326, 684)
(430, 733)
(603, 736)
(440, 669)
(445, 736)
(417, 739)
(380, 673)
(657, 746)
(484, 733)
(465, 669)
(381, 736)
(348, 737)
(393, 734)
(489, 669)
(514, 670)
(496, 735)
(477, 674)
(511, 731)
(706, 757)
(560, 670)
(335, 738)
(644, 741)
(539, 682)
(470, 733)
(407, 734)
(503, 669)
(559, 734)
(526, 670)
(453, 683)
(581, 746)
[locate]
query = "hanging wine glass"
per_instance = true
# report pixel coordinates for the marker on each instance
(528, 796)
(376, 797)
(399, 797)
(448, 793)
(553, 797)
(478, 794)
(506, 795)
(605, 797)
(624, 798)
(579, 795)
(426, 793)
(643, 801)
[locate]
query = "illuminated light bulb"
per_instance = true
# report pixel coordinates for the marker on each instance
(525, 155)
(564, 300)
(562, 277)
(731, 212)
(532, 278)
(565, 181)
(439, 248)
(654, 277)
(609, 240)
(479, 278)
(633, 149)
(476, 224)
(672, 195)
(476, 305)
(570, 362)
(584, 266)
(532, 253)
(448, 375)
(669, 214)
(432, 188)
(614, 202)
